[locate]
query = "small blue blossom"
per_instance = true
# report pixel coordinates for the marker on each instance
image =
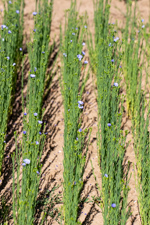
(14, 64)
(106, 175)
(79, 57)
(76, 28)
(109, 124)
(32, 75)
(83, 53)
(34, 13)
(112, 60)
(43, 52)
(17, 11)
(80, 102)
(71, 41)
(35, 69)
(38, 172)
(4, 141)
(8, 57)
(80, 130)
(35, 114)
(116, 84)
(26, 161)
(143, 26)
(77, 138)
(9, 32)
(85, 26)
(73, 34)
(113, 205)
(40, 122)
(109, 44)
(25, 114)
(142, 20)
(80, 106)
(83, 43)
(85, 62)
(120, 66)
(23, 164)
(34, 30)
(20, 49)
(40, 132)
(3, 26)
(116, 39)
(37, 143)
(75, 183)
(64, 54)
(10, 2)
(24, 132)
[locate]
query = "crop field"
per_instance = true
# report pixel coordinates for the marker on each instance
(74, 112)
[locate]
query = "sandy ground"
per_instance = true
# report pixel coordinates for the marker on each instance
(52, 159)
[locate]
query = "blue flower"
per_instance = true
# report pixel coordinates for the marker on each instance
(80, 102)
(73, 34)
(80, 130)
(25, 114)
(17, 11)
(8, 57)
(109, 124)
(77, 138)
(37, 172)
(40, 132)
(37, 143)
(10, 2)
(14, 64)
(112, 60)
(35, 69)
(23, 164)
(142, 20)
(143, 26)
(116, 39)
(116, 84)
(34, 13)
(71, 41)
(64, 54)
(9, 32)
(80, 107)
(35, 114)
(79, 57)
(106, 175)
(32, 75)
(26, 161)
(85, 26)
(83, 53)
(40, 122)
(24, 132)
(34, 30)
(3, 26)
(43, 52)
(113, 205)
(20, 49)
(83, 43)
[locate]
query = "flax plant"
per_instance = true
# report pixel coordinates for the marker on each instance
(105, 57)
(74, 137)
(33, 139)
(132, 55)
(142, 152)
(11, 37)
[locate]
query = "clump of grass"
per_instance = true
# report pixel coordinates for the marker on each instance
(24, 201)
(105, 58)
(11, 37)
(74, 136)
